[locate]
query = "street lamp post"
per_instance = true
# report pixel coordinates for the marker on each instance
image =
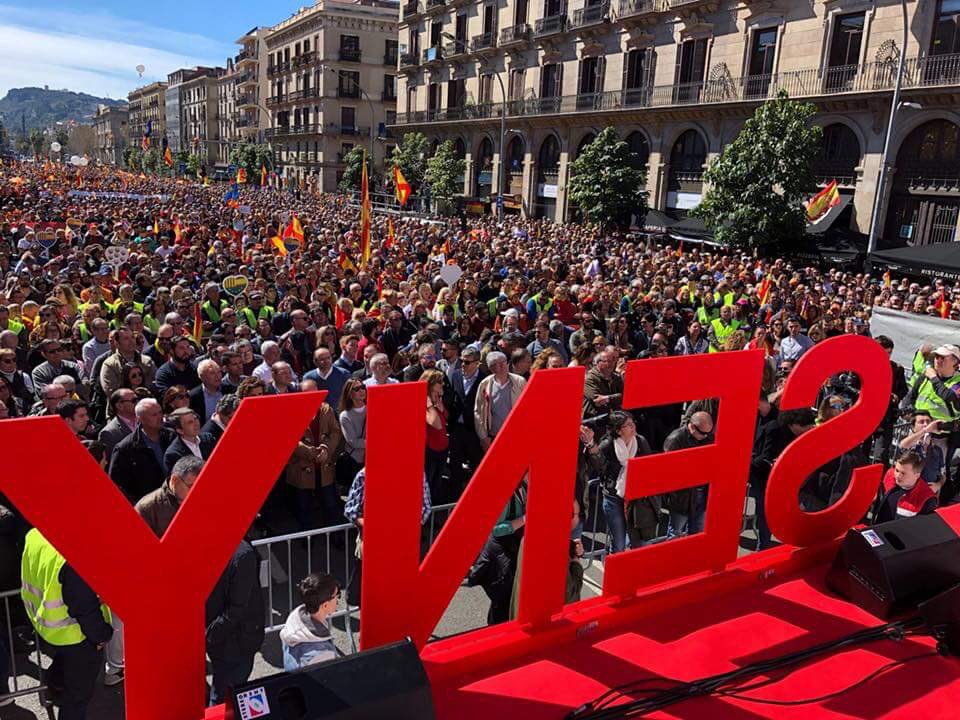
(894, 107)
(373, 119)
(501, 174)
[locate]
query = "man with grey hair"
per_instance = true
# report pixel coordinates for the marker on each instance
(271, 353)
(217, 425)
(204, 397)
(283, 379)
(136, 465)
(379, 371)
(96, 346)
(159, 507)
(465, 449)
(496, 396)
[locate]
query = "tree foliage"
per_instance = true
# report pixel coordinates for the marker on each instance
(132, 158)
(193, 164)
(352, 171)
(758, 184)
(411, 155)
(150, 161)
(62, 137)
(608, 182)
(4, 137)
(251, 157)
(36, 143)
(444, 175)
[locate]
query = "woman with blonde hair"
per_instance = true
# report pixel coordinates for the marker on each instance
(438, 442)
(547, 359)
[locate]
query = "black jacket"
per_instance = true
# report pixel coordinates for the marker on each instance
(83, 605)
(198, 405)
(169, 375)
(213, 430)
(134, 467)
(465, 400)
(178, 449)
(234, 610)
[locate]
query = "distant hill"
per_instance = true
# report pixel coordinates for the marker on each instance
(44, 108)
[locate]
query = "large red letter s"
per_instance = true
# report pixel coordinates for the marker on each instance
(158, 587)
(867, 359)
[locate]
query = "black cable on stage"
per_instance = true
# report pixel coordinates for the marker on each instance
(657, 698)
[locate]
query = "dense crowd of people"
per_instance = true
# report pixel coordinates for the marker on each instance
(142, 311)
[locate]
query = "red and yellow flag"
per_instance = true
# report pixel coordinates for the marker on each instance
(197, 323)
(156, 229)
(400, 186)
(887, 280)
(241, 176)
(345, 262)
(365, 216)
(391, 235)
(177, 232)
(278, 244)
(263, 175)
(294, 230)
(823, 201)
(168, 157)
(763, 291)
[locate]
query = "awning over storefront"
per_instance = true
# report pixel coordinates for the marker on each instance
(938, 260)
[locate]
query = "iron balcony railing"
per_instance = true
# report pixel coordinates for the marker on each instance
(633, 8)
(338, 129)
(349, 54)
(551, 25)
(515, 33)
(294, 130)
(245, 55)
(390, 59)
(928, 72)
(411, 10)
(484, 41)
(348, 92)
(304, 58)
(591, 15)
(435, 4)
(408, 59)
(433, 53)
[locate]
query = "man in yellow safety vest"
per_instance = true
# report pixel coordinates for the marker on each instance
(72, 624)
(722, 328)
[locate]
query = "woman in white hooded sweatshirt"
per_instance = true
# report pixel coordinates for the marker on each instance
(306, 635)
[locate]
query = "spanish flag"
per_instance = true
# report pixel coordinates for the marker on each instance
(168, 157)
(763, 291)
(823, 201)
(294, 230)
(241, 176)
(278, 244)
(263, 176)
(197, 323)
(391, 235)
(79, 180)
(400, 186)
(364, 216)
(346, 263)
(887, 280)
(156, 228)
(177, 232)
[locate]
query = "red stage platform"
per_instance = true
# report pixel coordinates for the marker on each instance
(705, 631)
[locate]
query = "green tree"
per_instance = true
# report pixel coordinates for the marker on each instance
(22, 145)
(193, 164)
(36, 143)
(608, 182)
(62, 137)
(132, 158)
(444, 175)
(4, 138)
(352, 171)
(411, 155)
(251, 157)
(150, 161)
(758, 184)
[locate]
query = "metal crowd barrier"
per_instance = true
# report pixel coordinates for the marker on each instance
(11, 598)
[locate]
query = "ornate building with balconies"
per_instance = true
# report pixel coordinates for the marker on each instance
(147, 105)
(678, 78)
(110, 127)
(330, 84)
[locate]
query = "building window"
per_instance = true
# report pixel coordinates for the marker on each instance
(306, 45)
(637, 76)
(436, 33)
(590, 82)
(691, 63)
(348, 119)
(520, 12)
(847, 39)
(455, 94)
(433, 97)
(389, 87)
(554, 7)
(411, 99)
(946, 28)
(490, 18)
(390, 52)
(486, 89)
(550, 79)
(461, 31)
(763, 51)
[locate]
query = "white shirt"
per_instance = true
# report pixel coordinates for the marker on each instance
(192, 446)
(373, 381)
(468, 382)
(263, 372)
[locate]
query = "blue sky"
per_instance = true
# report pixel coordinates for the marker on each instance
(96, 47)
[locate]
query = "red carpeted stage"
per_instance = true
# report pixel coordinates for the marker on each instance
(765, 605)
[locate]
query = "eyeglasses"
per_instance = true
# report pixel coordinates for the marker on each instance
(465, 361)
(701, 431)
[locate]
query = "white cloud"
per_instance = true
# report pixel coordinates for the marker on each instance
(61, 56)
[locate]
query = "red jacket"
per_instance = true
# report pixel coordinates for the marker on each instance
(912, 501)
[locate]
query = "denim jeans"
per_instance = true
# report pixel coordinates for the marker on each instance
(616, 523)
(682, 524)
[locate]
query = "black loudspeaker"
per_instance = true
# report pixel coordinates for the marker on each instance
(387, 682)
(941, 614)
(893, 567)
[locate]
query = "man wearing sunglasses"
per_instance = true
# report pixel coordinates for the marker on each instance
(53, 366)
(688, 507)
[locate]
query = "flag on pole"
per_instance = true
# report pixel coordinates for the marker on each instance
(263, 175)
(680, 249)
(364, 216)
(294, 230)
(400, 186)
(241, 176)
(823, 201)
(887, 280)
(168, 158)
(177, 232)
(345, 262)
(763, 291)
(197, 323)
(380, 286)
(391, 235)
(278, 244)
(156, 228)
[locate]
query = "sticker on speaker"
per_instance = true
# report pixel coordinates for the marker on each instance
(871, 537)
(253, 703)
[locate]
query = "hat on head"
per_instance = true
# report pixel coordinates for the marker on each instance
(945, 350)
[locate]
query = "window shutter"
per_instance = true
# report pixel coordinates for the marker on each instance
(699, 60)
(601, 71)
(627, 63)
(558, 81)
(678, 72)
(580, 86)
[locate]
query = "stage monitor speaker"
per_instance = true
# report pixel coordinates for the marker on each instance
(942, 617)
(386, 682)
(892, 567)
